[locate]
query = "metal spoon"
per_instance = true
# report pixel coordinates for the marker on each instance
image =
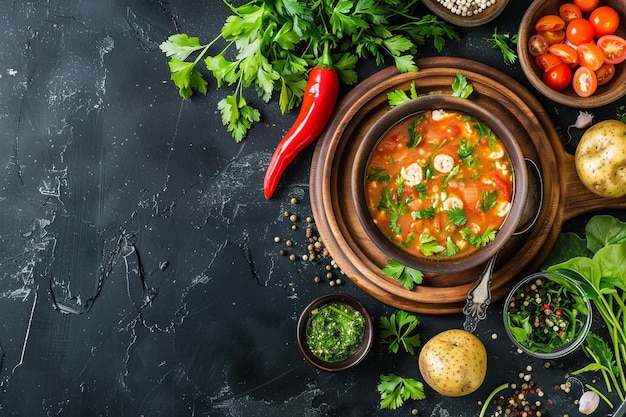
(479, 297)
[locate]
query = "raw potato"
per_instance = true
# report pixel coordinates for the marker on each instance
(601, 158)
(453, 363)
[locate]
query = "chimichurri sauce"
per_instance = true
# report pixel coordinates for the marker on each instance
(335, 331)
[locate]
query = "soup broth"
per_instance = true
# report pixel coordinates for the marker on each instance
(439, 184)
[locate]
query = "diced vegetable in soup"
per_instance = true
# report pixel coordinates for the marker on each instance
(439, 184)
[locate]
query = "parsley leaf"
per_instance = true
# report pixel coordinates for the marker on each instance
(395, 390)
(488, 200)
(429, 246)
(460, 86)
(427, 213)
(457, 216)
(451, 248)
(400, 96)
(237, 115)
(407, 276)
(398, 330)
(378, 174)
(505, 43)
(414, 137)
(394, 205)
(479, 240)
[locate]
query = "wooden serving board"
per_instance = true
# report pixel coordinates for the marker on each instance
(331, 194)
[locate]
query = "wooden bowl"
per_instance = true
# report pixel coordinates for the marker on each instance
(605, 94)
(396, 115)
(474, 20)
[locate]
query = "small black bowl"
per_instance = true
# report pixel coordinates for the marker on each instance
(357, 356)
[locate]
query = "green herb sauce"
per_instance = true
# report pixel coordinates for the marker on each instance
(335, 331)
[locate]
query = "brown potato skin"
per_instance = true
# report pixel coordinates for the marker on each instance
(453, 363)
(600, 159)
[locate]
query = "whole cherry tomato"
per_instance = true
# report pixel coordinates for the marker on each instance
(586, 5)
(605, 21)
(584, 82)
(558, 77)
(579, 31)
(590, 55)
(613, 47)
(569, 12)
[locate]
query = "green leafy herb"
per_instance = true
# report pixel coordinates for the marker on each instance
(505, 43)
(451, 249)
(414, 137)
(427, 213)
(394, 205)
(421, 190)
(457, 216)
(461, 87)
(429, 245)
(598, 267)
(398, 330)
(488, 200)
(397, 97)
(479, 240)
(378, 174)
(466, 149)
(277, 43)
(395, 390)
(407, 276)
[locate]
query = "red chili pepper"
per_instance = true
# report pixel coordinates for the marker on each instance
(318, 103)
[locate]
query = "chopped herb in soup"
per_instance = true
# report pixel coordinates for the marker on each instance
(439, 184)
(335, 331)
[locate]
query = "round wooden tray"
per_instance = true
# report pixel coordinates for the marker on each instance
(331, 195)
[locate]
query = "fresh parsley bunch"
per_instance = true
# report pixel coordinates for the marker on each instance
(271, 46)
(399, 329)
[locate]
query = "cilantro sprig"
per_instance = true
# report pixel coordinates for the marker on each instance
(505, 43)
(399, 330)
(271, 46)
(395, 390)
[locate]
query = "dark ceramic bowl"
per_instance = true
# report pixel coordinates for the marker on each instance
(396, 115)
(605, 94)
(357, 356)
(458, 19)
(584, 320)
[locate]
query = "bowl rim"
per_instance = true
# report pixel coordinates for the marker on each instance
(400, 113)
(563, 350)
(353, 360)
(525, 30)
(469, 21)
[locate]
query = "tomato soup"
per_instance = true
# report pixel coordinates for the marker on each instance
(439, 184)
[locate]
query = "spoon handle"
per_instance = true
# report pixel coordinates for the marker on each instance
(479, 297)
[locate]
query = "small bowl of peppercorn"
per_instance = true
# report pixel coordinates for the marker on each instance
(466, 13)
(547, 315)
(335, 332)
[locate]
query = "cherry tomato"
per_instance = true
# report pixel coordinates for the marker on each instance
(558, 77)
(613, 47)
(590, 55)
(547, 61)
(586, 5)
(569, 12)
(565, 52)
(553, 36)
(584, 82)
(549, 22)
(605, 21)
(605, 73)
(537, 45)
(579, 31)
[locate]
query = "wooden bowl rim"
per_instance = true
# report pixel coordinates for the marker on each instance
(485, 16)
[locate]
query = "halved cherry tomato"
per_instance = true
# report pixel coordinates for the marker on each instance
(547, 61)
(579, 31)
(569, 12)
(558, 77)
(605, 21)
(537, 45)
(549, 22)
(590, 55)
(586, 5)
(553, 36)
(565, 52)
(605, 73)
(584, 82)
(613, 47)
